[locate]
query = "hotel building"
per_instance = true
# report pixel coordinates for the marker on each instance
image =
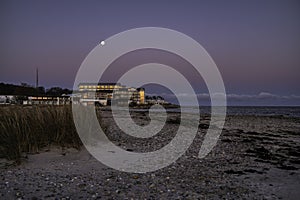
(106, 93)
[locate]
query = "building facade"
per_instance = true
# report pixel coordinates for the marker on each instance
(48, 100)
(108, 93)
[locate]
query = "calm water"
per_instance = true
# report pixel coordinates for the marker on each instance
(247, 110)
(284, 111)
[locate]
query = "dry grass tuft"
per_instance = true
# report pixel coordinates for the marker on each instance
(31, 128)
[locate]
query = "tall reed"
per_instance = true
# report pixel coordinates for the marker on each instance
(31, 128)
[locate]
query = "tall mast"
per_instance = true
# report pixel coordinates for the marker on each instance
(37, 78)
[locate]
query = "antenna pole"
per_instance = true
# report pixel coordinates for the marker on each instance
(37, 78)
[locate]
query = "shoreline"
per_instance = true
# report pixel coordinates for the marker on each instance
(256, 157)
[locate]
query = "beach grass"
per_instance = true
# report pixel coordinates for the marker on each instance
(28, 129)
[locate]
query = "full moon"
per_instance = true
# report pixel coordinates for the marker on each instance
(102, 43)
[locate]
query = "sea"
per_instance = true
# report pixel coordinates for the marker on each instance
(284, 111)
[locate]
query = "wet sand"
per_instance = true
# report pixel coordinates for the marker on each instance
(256, 157)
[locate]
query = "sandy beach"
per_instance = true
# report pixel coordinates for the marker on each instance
(256, 157)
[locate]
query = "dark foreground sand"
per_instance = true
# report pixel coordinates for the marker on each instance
(255, 158)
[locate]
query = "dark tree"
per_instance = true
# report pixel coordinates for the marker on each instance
(57, 91)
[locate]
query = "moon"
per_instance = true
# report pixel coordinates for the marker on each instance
(102, 43)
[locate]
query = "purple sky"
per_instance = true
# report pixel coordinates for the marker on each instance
(255, 44)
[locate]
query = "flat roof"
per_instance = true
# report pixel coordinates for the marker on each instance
(99, 84)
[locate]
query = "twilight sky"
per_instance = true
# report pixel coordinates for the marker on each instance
(255, 44)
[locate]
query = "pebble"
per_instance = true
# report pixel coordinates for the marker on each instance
(187, 178)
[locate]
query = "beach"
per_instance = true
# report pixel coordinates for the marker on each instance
(256, 157)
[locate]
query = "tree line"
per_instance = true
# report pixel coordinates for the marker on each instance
(27, 90)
